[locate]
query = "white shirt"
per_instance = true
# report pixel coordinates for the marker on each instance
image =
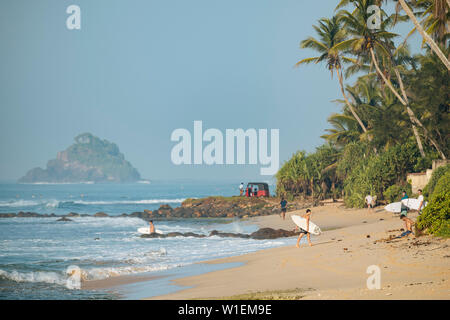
(241, 186)
(369, 199)
(420, 198)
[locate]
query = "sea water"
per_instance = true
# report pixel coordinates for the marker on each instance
(35, 253)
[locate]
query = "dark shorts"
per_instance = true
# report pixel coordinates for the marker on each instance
(303, 231)
(283, 210)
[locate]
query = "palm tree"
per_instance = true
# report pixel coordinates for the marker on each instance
(440, 9)
(330, 33)
(344, 130)
(435, 15)
(377, 43)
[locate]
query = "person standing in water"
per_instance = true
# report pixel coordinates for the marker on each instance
(307, 216)
(283, 204)
(152, 227)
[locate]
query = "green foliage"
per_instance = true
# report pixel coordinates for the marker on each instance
(308, 175)
(373, 175)
(443, 184)
(437, 174)
(394, 192)
(436, 215)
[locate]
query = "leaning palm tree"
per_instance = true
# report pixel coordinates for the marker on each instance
(365, 42)
(330, 33)
(441, 7)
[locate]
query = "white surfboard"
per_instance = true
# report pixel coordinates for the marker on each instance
(395, 207)
(146, 230)
(413, 203)
(301, 222)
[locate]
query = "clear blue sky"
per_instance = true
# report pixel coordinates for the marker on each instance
(138, 69)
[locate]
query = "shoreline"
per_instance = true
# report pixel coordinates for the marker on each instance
(335, 267)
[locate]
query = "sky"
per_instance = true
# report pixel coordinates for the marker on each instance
(139, 69)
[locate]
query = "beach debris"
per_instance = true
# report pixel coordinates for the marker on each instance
(368, 236)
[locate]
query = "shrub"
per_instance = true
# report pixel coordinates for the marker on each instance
(436, 215)
(437, 174)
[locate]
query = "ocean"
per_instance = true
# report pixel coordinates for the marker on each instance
(36, 253)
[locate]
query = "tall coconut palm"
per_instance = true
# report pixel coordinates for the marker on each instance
(330, 33)
(435, 14)
(364, 41)
(441, 8)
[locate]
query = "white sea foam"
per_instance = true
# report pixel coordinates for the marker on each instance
(53, 203)
(37, 276)
(19, 203)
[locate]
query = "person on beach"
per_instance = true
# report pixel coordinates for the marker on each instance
(241, 189)
(307, 216)
(283, 204)
(408, 224)
(152, 227)
(420, 198)
(369, 201)
(404, 195)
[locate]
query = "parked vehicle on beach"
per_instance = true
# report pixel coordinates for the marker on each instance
(257, 189)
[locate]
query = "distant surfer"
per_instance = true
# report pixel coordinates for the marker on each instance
(307, 216)
(283, 204)
(152, 227)
(369, 201)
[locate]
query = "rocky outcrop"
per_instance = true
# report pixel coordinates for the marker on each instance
(89, 159)
(100, 215)
(261, 234)
(64, 219)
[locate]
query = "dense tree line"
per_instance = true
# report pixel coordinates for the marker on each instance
(395, 107)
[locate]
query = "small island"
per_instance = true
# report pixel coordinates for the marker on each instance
(88, 160)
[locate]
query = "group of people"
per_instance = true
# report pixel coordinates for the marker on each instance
(252, 193)
(370, 202)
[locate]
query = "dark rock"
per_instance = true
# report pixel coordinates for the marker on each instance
(269, 233)
(64, 219)
(29, 214)
(100, 214)
(228, 234)
(73, 214)
(7, 215)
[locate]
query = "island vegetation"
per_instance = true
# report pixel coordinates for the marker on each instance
(89, 159)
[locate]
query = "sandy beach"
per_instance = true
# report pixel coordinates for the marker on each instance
(335, 267)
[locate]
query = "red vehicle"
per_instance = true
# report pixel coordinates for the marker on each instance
(257, 189)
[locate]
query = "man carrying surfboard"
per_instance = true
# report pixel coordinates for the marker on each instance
(307, 216)
(420, 198)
